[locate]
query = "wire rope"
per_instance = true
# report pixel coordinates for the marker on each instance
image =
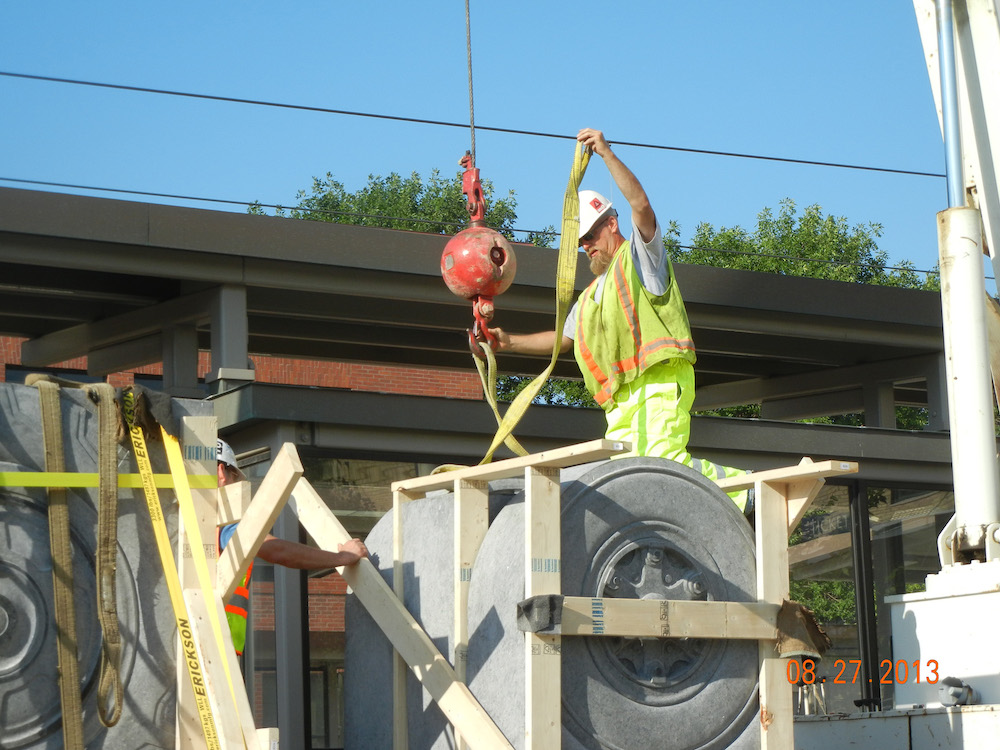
(384, 217)
(472, 109)
(492, 129)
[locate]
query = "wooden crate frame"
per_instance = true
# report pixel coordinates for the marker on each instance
(782, 498)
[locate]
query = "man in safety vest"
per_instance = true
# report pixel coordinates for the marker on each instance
(273, 550)
(629, 328)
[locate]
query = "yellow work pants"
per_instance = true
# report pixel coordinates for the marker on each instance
(653, 412)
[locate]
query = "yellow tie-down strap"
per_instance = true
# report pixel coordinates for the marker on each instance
(569, 244)
(87, 479)
(191, 657)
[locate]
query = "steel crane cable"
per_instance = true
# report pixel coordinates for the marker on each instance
(472, 109)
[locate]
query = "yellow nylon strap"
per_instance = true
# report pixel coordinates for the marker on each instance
(89, 479)
(192, 660)
(186, 502)
(569, 244)
(488, 374)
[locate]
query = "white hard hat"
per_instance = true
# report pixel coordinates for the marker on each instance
(593, 208)
(224, 453)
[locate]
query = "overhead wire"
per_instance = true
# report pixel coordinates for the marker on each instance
(472, 126)
(250, 204)
(435, 222)
(826, 261)
(444, 123)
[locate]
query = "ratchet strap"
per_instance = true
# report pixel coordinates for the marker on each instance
(569, 244)
(109, 686)
(62, 568)
(91, 479)
(182, 490)
(192, 659)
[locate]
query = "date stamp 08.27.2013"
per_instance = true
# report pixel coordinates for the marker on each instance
(848, 672)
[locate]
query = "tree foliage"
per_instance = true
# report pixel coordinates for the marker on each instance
(436, 205)
(556, 391)
(810, 244)
(830, 601)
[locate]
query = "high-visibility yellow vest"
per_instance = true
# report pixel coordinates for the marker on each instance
(238, 607)
(629, 329)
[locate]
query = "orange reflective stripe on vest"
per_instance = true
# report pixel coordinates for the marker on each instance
(629, 329)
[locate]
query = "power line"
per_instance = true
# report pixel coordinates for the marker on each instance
(383, 217)
(249, 204)
(444, 123)
(828, 261)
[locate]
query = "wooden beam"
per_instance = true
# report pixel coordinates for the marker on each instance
(542, 575)
(471, 521)
(407, 637)
(570, 455)
(810, 470)
(234, 499)
(400, 723)
(771, 528)
(264, 509)
(230, 705)
(198, 435)
(642, 618)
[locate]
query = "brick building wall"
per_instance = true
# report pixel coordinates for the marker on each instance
(412, 381)
(326, 604)
(326, 595)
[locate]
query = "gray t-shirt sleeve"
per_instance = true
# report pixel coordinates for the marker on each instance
(650, 260)
(569, 327)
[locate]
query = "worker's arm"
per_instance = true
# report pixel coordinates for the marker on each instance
(642, 212)
(530, 343)
(304, 557)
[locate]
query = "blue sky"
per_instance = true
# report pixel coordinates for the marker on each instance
(832, 82)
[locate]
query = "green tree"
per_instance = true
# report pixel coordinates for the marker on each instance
(810, 244)
(830, 601)
(436, 205)
(555, 391)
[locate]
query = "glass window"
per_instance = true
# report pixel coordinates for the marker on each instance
(821, 567)
(358, 490)
(359, 493)
(905, 525)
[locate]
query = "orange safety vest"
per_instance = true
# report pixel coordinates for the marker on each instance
(238, 606)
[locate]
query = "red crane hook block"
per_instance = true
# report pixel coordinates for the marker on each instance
(479, 263)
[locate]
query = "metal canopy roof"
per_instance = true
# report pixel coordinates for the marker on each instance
(106, 278)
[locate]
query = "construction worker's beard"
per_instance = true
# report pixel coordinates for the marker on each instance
(599, 263)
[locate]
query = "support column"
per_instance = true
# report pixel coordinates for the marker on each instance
(937, 397)
(180, 362)
(230, 334)
(880, 405)
(864, 595)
